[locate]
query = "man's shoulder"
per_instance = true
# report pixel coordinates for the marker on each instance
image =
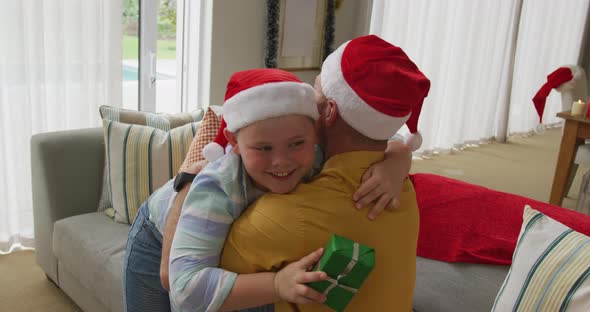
(272, 204)
(302, 193)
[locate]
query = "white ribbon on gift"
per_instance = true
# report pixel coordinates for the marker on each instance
(336, 282)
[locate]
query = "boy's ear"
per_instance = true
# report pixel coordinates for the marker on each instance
(231, 139)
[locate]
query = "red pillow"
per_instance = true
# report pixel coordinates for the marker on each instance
(205, 135)
(462, 222)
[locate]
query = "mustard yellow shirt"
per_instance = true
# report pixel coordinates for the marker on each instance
(280, 229)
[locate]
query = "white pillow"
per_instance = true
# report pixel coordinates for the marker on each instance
(550, 268)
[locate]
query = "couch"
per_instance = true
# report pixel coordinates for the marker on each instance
(81, 249)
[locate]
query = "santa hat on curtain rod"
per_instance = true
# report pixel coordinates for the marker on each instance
(562, 79)
(376, 87)
(258, 94)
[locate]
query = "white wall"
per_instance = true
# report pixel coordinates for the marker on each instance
(239, 38)
(585, 53)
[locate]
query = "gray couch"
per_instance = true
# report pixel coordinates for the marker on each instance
(82, 250)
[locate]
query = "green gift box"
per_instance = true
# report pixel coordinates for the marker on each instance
(347, 264)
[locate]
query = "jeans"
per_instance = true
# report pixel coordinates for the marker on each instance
(142, 289)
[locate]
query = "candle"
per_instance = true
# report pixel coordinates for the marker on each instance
(578, 108)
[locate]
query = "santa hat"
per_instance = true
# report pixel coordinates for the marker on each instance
(377, 88)
(562, 79)
(259, 94)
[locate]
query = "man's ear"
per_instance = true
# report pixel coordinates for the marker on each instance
(231, 138)
(331, 112)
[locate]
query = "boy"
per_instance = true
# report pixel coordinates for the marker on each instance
(269, 118)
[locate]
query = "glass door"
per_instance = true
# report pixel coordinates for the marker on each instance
(150, 67)
(130, 62)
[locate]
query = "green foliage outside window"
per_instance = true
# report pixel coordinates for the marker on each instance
(166, 45)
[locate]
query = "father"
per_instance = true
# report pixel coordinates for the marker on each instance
(367, 90)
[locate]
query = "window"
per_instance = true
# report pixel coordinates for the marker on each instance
(152, 70)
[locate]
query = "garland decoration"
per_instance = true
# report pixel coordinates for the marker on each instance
(273, 11)
(329, 29)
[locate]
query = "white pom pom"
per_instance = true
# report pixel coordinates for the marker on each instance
(414, 141)
(571, 85)
(539, 129)
(212, 151)
(567, 86)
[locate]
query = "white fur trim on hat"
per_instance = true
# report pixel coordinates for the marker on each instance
(354, 110)
(267, 101)
(577, 73)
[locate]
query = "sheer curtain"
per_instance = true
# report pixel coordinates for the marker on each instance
(476, 54)
(60, 60)
(550, 35)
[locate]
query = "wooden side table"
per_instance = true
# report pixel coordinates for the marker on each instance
(575, 130)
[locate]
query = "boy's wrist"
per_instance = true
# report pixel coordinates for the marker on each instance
(275, 286)
(182, 179)
(276, 289)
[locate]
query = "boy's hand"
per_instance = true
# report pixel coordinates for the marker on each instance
(382, 183)
(290, 282)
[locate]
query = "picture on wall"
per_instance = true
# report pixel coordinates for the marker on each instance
(299, 33)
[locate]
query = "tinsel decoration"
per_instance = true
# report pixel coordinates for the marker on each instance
(273, 11)
(329, 29)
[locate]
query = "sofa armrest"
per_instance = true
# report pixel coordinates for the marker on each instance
(67, 169)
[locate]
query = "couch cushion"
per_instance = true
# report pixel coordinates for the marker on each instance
(140, 160)
(91, 247)
(443, 286)
(205, 134)
(164, 122)
(550, 270)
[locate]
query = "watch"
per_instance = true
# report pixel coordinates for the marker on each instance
(181, 179)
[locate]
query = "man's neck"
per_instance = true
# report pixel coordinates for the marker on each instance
(336, 146)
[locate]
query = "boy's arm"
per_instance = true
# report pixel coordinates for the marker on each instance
(256, 289)
(171, 221)
(169, 230)
(382, 183)
(196, 282)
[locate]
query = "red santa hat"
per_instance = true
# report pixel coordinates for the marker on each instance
(377, 88)
(562, 79)
(259, 94)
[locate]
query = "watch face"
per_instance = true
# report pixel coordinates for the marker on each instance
(182, 179)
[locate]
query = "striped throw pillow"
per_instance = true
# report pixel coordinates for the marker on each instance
(159, 121)
(550, 268)
(140, 159)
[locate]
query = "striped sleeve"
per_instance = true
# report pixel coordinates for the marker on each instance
(215, 200)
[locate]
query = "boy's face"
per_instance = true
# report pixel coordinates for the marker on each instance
(277, 152)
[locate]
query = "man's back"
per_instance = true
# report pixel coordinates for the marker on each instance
(279, 229)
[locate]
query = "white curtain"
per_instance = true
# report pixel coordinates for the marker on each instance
(60, 60)
(550, 35)
(468, 49)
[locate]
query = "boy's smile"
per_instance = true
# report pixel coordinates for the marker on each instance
(278, 152)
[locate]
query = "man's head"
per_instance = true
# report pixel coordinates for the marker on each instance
(268, 118)
(375, 88)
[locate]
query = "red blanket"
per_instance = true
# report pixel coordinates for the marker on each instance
(462, 222)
